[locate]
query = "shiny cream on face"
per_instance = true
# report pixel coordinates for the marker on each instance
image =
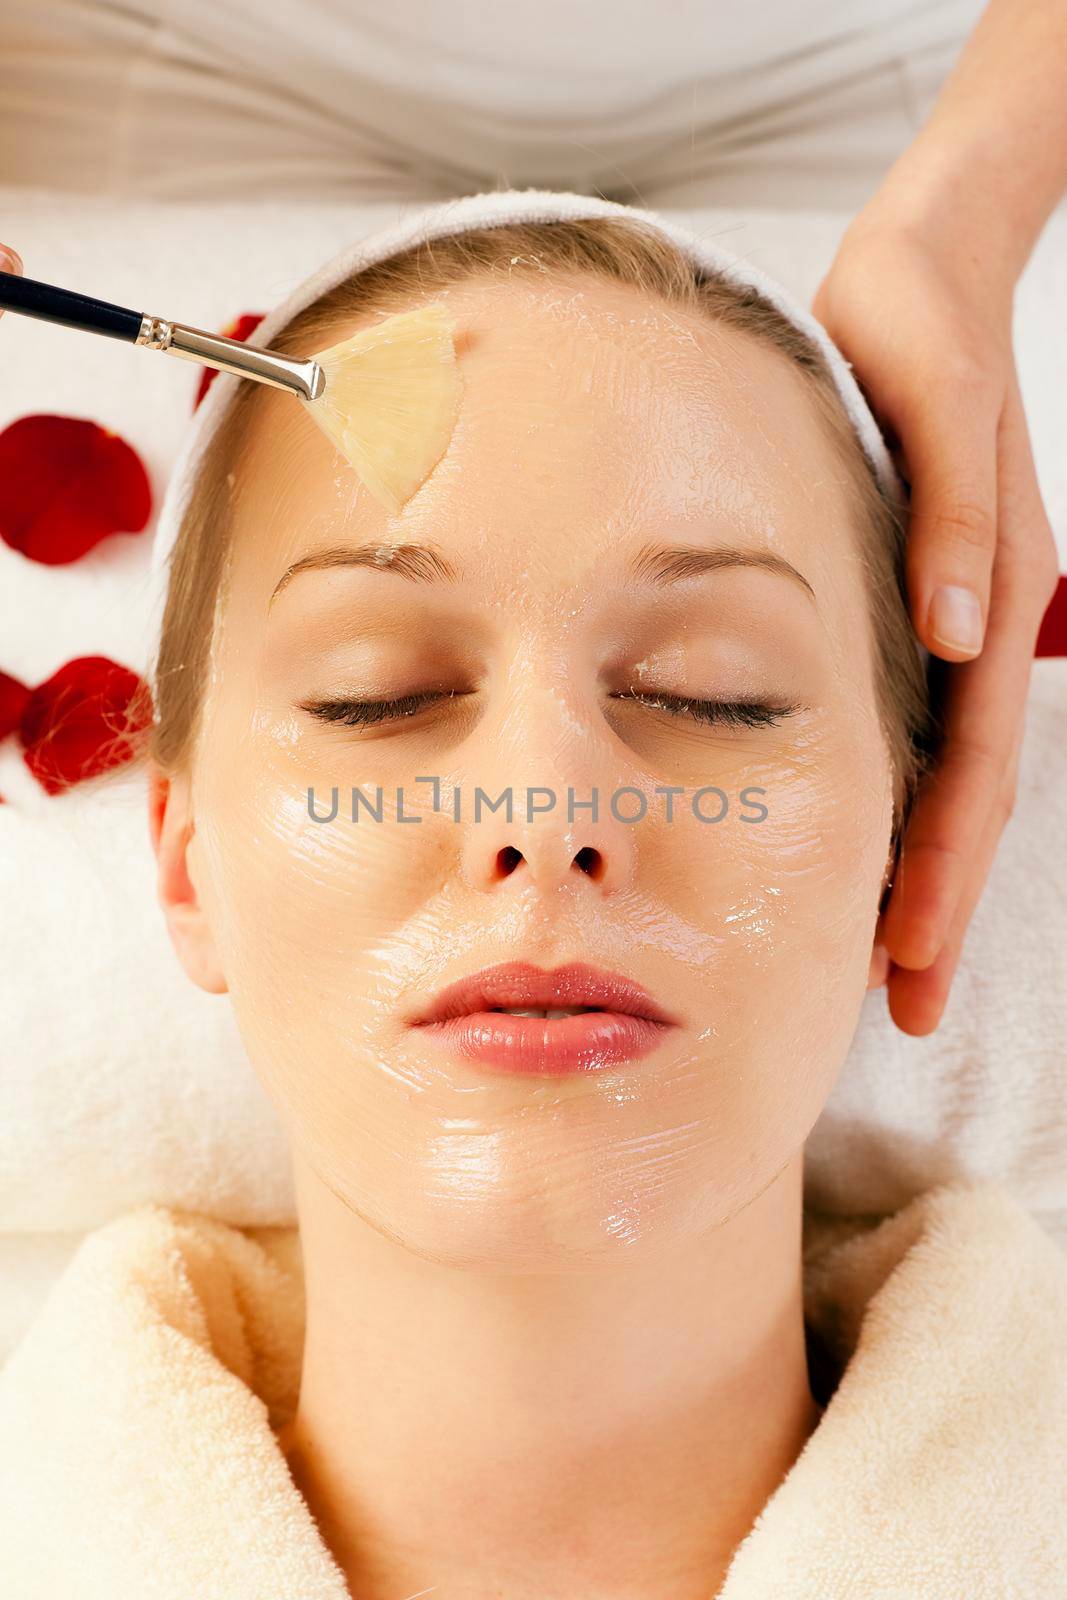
(539, 583)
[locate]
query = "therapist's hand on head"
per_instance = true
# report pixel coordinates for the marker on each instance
(920, 299)
(924, 314)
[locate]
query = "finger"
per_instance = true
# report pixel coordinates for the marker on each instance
(949, 436)
(985, 707)
(917, 999)
(880, 964)
(956, 799)
(10, 261)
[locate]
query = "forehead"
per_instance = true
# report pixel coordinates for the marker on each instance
(591, 413)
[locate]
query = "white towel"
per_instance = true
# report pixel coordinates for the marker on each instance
(138, 1416)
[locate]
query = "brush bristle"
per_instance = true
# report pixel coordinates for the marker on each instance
(391, 398)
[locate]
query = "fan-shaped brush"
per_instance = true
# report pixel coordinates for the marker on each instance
(387, 397)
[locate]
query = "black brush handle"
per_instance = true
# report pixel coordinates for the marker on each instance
(52, 304)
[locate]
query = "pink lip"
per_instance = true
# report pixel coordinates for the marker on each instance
(626, 1024)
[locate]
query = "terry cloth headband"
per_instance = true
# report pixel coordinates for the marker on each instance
(488, 210)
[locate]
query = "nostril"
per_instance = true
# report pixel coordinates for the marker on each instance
(590, 861)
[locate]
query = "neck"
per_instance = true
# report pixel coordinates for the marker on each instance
(614, 1433)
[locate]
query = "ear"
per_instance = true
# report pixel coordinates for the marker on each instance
(878, 972)
(171, 828)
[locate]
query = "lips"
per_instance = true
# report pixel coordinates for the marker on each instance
(618, 1023)
(519, 984)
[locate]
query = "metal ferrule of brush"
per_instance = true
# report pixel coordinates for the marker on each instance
(305, 379)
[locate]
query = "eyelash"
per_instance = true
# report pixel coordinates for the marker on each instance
(731, 713)
(361, 713)
(728, 713)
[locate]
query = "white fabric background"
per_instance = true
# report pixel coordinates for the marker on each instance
(785, 102)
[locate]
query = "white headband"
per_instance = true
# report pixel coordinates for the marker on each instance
(487, 210)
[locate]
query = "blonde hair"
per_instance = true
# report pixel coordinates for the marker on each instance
(625, 250)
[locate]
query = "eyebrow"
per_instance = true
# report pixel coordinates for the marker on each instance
(655, 563)
(669, 563)
(417, 562)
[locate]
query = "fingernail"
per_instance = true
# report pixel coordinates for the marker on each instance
(10, 261)
(956, 617)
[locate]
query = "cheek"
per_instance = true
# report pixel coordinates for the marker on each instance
(299, 906)
(790, 900)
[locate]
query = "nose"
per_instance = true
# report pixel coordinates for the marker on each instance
(560, 812)
(547, 850)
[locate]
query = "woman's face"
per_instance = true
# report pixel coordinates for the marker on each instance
(595, 429)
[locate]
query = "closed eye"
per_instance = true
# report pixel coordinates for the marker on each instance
(363, 713)
(728, 713)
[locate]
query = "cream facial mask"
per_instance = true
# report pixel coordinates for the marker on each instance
(591, 429)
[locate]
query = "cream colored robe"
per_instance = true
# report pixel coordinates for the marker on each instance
(138, 1457)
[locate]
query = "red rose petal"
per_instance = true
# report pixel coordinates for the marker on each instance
(240, 328)
(13, 698)
(65, 484)
(1052, 634)
(79, 723)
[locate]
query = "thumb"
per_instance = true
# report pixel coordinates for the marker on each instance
(10, 261)
(949, 440)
